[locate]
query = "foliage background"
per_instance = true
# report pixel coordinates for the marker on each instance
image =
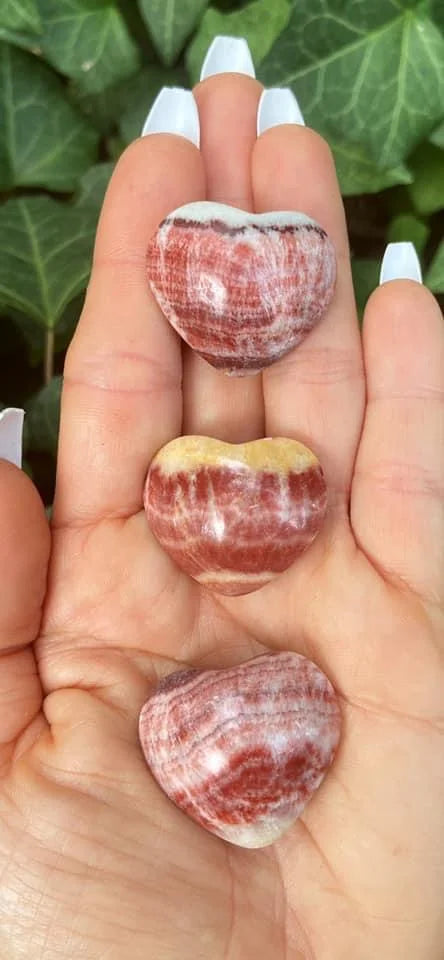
(77, 78)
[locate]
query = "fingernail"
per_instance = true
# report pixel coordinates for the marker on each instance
(11, 432)
(400, 262)
(277, 105)
(174, 111)
(228, 55)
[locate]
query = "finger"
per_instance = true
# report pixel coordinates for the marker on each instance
(316, 392)
(122, 391)
(216, 405)
(397, 506)
(24, 554)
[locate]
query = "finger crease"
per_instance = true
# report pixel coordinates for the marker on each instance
(404, 479)
(322, 367)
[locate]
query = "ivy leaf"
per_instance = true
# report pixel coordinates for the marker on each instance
(136, 95)
(44, 140)
(87, 40)
(427, 189)
(437, 12)
(20, 15)
(357, 171)
(45, 255)
(125, 105)
(260, 23)
(43, 418)
(93, 186)
(26, 41)
(437, 136)
(170, 23)
(367, 72)
(100, 109)
(365, 280)
(407, 227)
(435, 274)
(34, 335)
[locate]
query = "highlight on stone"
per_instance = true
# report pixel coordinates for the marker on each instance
(242, 750)
(234, 516)
(242, 289)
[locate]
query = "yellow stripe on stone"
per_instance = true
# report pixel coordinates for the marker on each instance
(276, 454)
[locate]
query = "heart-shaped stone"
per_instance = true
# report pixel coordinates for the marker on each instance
(242, 750)
(242, 289)
(233, 516)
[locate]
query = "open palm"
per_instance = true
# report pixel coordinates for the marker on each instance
(95, 861)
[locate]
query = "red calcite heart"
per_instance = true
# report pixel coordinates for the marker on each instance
(233, 516)
(242, 289)
(242, 750)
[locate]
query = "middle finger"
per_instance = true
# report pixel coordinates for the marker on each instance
(229, 408)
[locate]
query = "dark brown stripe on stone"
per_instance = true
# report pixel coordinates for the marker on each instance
(219, 226)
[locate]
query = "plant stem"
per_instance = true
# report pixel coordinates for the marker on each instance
(49, 356)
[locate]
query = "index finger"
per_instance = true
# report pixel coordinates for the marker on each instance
(122, 396)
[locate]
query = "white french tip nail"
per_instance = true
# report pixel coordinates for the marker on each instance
(278, 105)
(11, 434)
(400, 262)
(228, 55)
(174, 111)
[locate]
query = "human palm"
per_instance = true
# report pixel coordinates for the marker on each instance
(95, 861)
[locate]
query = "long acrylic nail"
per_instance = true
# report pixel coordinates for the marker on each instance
(400, 262)
(228, 55)
(276, 106)
(11, 433)
(174, 111)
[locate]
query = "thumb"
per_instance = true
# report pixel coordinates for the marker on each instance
(24, 555)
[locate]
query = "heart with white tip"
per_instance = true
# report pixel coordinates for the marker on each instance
(241, 289)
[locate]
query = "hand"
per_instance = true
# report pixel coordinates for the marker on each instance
(95, 861)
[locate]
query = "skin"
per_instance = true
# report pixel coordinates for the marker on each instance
(95, 861)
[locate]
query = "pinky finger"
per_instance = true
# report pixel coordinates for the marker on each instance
(397, 506)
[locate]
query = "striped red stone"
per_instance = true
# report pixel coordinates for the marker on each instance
(242, 750)
(241, 289)
(233, 516)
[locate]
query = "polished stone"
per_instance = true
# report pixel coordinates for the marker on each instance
(242, 289)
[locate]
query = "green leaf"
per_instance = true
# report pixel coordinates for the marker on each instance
(437, 12)
(20, 15)
(170, 23)
(92, 187)
(45, 255)
(25, 41)
(408, 227)
(34, 334)
(365, 280)
(135, 96)
(435, 275)
(43, 418)
(115, 147)
(367, 72)
(437, 136)
(260, 23)
(357, 171)
(427, 189)
(44, 141)
(126, 104)
(101, 109)
(88, 41)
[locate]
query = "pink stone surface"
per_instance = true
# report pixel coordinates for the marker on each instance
(242, 750)
(233, 516)
(241, 289)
